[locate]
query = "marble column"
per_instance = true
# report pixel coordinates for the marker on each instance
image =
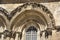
(43, 36)
(54, 36)
(2, 37)
(1, 31)
(23, 35)
(20, 35)
(11, 38)
(17, 38)
(38, 35)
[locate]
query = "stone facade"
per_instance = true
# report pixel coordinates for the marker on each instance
(16, 18)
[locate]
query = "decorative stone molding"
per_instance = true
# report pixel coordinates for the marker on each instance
(32, 6)
(42, 16)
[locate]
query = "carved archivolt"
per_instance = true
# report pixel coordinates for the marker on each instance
(31, 11)
(26, 15)
(4, 22)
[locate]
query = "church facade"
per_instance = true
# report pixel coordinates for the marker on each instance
(30, 21)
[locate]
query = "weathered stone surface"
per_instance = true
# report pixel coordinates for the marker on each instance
(53, 7)
(24, 1)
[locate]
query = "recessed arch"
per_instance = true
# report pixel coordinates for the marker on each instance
(25, 17)
(44, 13)
(30, 23)
(4, 17)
